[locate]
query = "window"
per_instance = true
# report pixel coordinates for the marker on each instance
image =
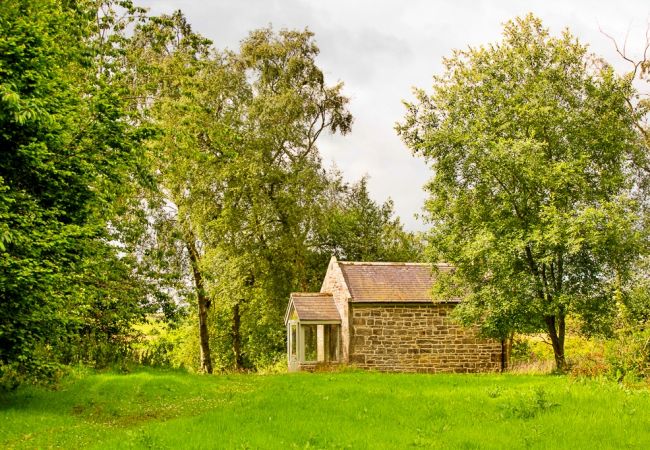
(293, 339)
(309, 334)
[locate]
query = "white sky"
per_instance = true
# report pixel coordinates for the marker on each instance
(380, 49)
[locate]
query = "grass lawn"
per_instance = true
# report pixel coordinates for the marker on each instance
(169, 409)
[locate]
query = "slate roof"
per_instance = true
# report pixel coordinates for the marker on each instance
(390, 282)
(317, 306)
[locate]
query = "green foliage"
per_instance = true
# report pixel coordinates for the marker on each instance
(629, 354)
(634, 303)
(356, 228)
(586, 356)
(155, 344)
(261, 235)
(240, 210)
(531, 142)
(68, 155)
(144, 172)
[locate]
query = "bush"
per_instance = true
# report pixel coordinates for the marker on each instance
(39, 373)
(158, 344)
(530, 354)
(591, 365)
(279, 366)
(629, 354)
(98, 350)
(586, 357)
(10, 378)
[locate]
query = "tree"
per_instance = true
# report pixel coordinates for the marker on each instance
(639, 102)
(531, 143)
(68, 153)
(190, 97)
(236, 169)
(357, 228)
(261, 235)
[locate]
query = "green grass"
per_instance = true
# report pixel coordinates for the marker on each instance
(168, 409)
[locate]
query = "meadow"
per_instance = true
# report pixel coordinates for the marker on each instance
(173, 409)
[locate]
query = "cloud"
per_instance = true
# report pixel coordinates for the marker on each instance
(380, 49)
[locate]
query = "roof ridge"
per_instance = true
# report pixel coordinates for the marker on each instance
(382, 263)
(388, 263)
(310, 294)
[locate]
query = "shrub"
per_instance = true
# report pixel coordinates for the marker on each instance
(530, 354)
(40, 373)
(158, 344)
(629, 354)
(279, 366)
(586, 357)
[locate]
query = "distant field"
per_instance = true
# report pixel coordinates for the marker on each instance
(166, 409)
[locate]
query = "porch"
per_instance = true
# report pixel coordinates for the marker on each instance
(313, 331)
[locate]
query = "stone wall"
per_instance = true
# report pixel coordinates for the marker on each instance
(334, 283)
(319, 367)
(417, 338)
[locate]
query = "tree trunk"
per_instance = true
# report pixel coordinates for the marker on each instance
(509, 344)
(206, 359)
(236, 337)
(555, 324)
(556, 328)
(204, 306)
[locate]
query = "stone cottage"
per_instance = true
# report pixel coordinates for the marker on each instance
(381, 316)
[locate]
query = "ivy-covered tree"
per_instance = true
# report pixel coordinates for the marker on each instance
(531, 142)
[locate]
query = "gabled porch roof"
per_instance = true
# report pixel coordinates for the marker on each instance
(313, 307)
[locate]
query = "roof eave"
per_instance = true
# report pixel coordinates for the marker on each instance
(352, 300)
(320, 322)
(286, 313)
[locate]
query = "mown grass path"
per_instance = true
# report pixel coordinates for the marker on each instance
(167, 409)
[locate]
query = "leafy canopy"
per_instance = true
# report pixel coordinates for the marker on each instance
(68, 153)
(530, 142)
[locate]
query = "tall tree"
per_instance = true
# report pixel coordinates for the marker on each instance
(634, 305)
(270, 208)
(531, 142)
(188, 95)
(235, 163)
(68, 150)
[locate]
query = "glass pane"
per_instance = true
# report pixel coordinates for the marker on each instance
(332, 344)
(310, 342)
(293, 339)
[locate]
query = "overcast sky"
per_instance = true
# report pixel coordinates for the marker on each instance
(381, 49)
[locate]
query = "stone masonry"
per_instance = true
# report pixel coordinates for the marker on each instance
(401, 337)
(390, 323)
(334, 283)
